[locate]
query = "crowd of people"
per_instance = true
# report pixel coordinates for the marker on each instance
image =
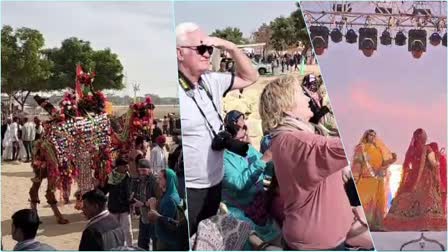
(137, 186)
(286, 63)
(146, 183)
(18, 136)
(296, 192)
(285, 207)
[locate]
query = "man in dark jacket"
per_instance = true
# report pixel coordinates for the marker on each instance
(147, 188)
(25, 223)
(103, 232)
(119, 204)
(156, 132)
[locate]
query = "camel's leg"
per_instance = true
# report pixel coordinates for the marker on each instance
(66, 191)
(51, 199)
(79, 203)
(34, 194)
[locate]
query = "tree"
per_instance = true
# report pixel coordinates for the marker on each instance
(24, 69)
(289, 31)
(301, 30)
(263, 35)
(27, 67)
(231, 34)
(283, 33)
(73, 51)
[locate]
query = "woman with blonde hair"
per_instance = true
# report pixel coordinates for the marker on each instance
(311, 168)
(369, 167)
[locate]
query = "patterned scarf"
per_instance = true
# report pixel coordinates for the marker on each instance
(291, 124)
(115, 177)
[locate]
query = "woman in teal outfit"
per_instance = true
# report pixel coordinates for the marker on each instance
(243, 189)
(169, 207)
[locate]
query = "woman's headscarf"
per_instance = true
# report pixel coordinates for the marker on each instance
(414, 151)
(387, 154)
(359, 151)
(230, 121)
(441, 158)
(172, 184)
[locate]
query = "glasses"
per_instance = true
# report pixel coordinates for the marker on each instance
(372, 135)
(202, 49)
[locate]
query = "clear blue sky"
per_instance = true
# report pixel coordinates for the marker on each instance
(141, 33)
(390, 92)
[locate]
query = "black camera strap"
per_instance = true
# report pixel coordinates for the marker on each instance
(209, 94)
(187, 87)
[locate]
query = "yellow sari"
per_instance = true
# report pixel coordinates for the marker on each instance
(369, 173)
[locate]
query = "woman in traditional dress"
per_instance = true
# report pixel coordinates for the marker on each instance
(370, 163)
(169, 206)
(417, 205)
(441, 157)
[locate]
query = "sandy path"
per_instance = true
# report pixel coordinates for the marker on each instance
(16, 183)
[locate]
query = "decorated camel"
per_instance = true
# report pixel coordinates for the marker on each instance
(79, 143)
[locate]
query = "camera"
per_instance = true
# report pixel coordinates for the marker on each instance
(224, 140)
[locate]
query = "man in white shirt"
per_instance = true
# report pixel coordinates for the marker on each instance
(200, 101)
(158, 158)
(11, 140)
(28, 136)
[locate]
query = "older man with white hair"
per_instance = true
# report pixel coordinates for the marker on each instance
(201, 105)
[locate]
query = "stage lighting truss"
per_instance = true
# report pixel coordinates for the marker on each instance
(394, 21)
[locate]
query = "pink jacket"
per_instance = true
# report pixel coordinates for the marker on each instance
(317, 211)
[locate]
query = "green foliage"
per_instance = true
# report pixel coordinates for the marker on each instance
(28, 67)
(231, 34)
(73, 51)
(23, 67)
(263, 35)
(284, 32)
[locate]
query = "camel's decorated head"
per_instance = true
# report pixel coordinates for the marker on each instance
(142, 117)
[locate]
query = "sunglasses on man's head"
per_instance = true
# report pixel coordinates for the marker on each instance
(201, 49)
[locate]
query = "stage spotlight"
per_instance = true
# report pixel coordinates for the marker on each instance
(385, 38)
(444, 40)
(336, 35)
(368, 40)
(417, 42)
(319, 38)
(400, 39)
(351, 37)
(435, 39)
